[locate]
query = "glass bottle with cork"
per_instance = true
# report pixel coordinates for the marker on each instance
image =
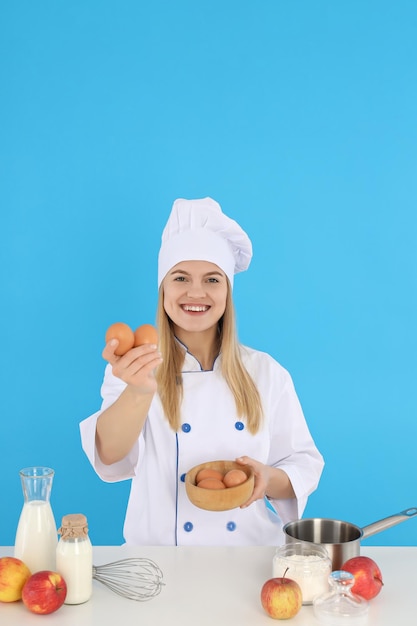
(74, 558)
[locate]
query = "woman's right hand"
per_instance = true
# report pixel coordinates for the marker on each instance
(137, 367)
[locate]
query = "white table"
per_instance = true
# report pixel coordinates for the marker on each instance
(218, 587)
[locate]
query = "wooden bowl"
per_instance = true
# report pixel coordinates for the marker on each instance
(219, 499)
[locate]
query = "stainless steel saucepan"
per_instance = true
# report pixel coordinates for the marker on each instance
(341, 539)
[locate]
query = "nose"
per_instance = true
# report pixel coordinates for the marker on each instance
(196, 290)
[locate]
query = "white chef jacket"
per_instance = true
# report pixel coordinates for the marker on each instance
(159, 511)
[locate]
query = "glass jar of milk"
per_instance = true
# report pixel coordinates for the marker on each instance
(74, 558)
(36, 535)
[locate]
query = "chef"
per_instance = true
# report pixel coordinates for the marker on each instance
(199, 396)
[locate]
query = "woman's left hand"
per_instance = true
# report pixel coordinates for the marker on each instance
(262, 474)
(269, 481)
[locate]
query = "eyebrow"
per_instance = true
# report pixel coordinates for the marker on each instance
(213, 273)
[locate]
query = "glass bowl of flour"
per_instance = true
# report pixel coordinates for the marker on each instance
(306, 563)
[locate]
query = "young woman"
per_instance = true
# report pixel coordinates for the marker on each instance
(199, 396)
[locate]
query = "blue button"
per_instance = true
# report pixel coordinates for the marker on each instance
(186, 428)
(188, 527)
(182, 478)
(239, 425)
(231, 526)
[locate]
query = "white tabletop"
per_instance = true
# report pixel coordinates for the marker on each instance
(217, 587)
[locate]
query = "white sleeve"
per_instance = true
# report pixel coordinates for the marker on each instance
(294, 451)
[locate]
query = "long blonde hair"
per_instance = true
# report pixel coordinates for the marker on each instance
(169, 377)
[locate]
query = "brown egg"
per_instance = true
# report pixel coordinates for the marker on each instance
(234, 477)
(145, 334)
(122, 332)
(211, 483)
(208, 473)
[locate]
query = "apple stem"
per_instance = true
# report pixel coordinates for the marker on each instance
(285, 572)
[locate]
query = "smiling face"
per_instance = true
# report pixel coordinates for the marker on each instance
(195, 297)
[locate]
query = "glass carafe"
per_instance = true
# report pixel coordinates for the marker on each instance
(36, 536)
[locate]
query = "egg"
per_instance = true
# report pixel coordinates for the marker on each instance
(234, 477)
(124, 334)
(145, 334)
(211, 483)
(208, 473)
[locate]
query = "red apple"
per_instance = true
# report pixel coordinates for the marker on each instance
(13, 575)
(368, 577)
(281, 597)
(44, 592)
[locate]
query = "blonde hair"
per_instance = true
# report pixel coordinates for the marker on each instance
(169, 377)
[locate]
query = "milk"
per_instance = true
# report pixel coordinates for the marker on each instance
(74, 561)
(36, 536)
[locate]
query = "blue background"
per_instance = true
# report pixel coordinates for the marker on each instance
(300, 118)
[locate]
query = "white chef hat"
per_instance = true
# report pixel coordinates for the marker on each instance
(198, 230)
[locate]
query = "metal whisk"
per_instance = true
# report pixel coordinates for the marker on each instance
(137, 578)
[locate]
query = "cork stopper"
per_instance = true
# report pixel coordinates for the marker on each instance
(73, 526)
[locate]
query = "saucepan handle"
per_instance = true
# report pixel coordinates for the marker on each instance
(387, 522)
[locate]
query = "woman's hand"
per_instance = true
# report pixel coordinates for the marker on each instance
(269, 481)
(261, 473)
(137, 367)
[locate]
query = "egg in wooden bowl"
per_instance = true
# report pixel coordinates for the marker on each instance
(219, 497)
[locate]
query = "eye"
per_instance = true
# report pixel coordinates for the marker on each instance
(179, 279)
(212, 279)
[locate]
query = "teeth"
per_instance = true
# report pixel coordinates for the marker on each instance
(197, 309)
